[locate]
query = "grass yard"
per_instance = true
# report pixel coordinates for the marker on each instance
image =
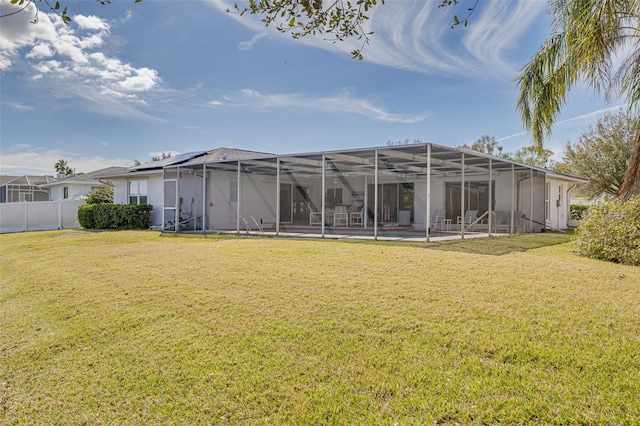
(139, 328)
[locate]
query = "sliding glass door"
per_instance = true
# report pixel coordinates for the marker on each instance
(392, 197)
(294, 204)
(476, 197)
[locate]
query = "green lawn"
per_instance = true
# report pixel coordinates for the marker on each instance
(139, 328)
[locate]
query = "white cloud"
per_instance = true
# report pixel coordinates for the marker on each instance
(90, 22)
(40, 51)
(28, 159)
(143, 80)
(249, 44)
(515, 135)
(20, 106)
(581, 120)
(417, 36)
(497, 29)
(5, 63)
(159, 153)
(341, 103)
(65, 59)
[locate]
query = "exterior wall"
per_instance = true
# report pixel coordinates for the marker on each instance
(39, 215)
(216, 208)
(559, 203)
(120, 191)
(155, 193)
(77, 191)
(524, 201)
(257, 199)
(420, 198)
(190, 193)
(155, 197)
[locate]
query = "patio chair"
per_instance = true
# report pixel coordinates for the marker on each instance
(502, 222)
(470, 216)
(356, 216)
(437, 219)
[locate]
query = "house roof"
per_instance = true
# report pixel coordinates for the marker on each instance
(189, 159)
(177, 159)
(27, 180)
(92, 177)
(4, 179)
(406, 160)
(226, 154)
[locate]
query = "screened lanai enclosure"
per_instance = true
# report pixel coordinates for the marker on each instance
(408, 191)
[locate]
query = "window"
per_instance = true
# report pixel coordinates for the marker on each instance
(559, 195)
(138, 192)
(65, 192)
(476, 197)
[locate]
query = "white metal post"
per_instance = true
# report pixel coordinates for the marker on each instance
(365, 209)
(513, 194)
(277, 196)
(375, 198)
(204, 197)
(490, 194)
(176, 226)
(462, 198)
(238, 200)
(428, 216)
(164, 197)
(531, 201)
(324, 190)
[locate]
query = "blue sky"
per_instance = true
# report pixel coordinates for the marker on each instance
(126, 80)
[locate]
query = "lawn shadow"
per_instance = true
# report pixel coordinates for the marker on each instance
(498, 246)
(493, 246)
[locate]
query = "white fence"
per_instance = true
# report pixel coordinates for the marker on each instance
(39, 215)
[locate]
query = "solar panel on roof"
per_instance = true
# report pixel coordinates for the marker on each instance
(170, 161)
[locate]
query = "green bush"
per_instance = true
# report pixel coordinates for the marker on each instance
(611, 231)
(115, 216)
(577, 211)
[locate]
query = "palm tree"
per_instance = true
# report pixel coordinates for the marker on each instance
(62, 167)
(595, 41)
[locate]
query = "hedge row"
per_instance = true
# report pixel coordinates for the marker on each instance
(115, 216)
(611, 231)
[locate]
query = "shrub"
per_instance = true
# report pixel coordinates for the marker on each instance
(577, 211)
(115, 216)
(101, 195)
(611, 231)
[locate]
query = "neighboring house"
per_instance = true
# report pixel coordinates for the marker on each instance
(362, 191)
(79, 186)
(24, 188)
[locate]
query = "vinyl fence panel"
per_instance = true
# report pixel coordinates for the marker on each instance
(39, 215)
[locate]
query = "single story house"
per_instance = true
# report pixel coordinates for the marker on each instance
(417, 189)
(79, 186)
